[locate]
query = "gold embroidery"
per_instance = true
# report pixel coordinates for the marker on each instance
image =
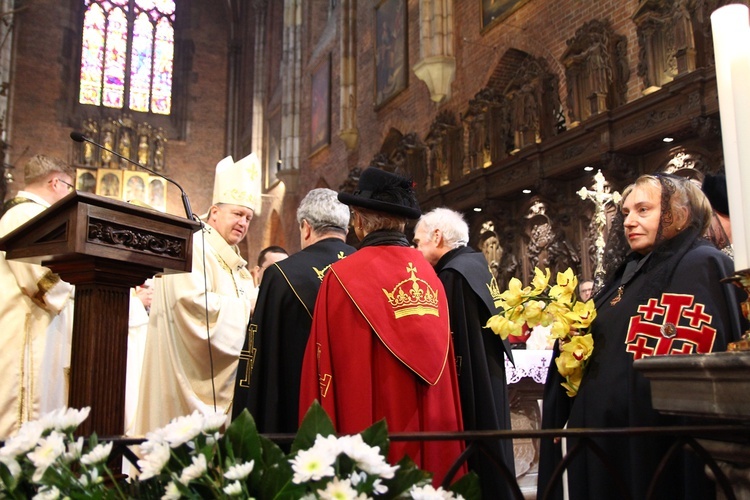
(325, 384)
(321, 273)
(249, 354)
(419, 297)
(494, 290)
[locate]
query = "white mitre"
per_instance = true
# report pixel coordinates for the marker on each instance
(238, 183)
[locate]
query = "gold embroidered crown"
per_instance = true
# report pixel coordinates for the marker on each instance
(494, 290)
(417, 297)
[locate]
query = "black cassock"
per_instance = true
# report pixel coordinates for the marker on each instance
(672, 302)
(480, 360)
(268, 374)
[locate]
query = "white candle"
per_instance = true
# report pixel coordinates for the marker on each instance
(741, 97)
(728, 24)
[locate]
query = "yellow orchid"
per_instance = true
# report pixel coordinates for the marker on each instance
(567, 364)
(503, 327)
(540, 281)
(556, 307)
(533, 313)
(573, 382)
(579, 347)
(582, 315)
(515, 294)
(565, 289)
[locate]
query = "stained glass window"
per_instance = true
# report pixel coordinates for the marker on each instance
(127, 54)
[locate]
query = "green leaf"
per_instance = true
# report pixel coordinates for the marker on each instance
(243, 438)
(267, 480)
(377, 435)
(316, 422)
(468, 487)
(8, 480)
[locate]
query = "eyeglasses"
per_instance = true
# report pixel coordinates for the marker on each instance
(71, 187)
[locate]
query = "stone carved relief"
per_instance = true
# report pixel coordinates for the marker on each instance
(596, 70)
(666, 39)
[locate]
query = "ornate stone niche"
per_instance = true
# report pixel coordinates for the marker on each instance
(596, 70)
(405, 155)
(534, 103)
(666, 39)
(444, 142)
(140, 142)
(547, 244)
(487, 125)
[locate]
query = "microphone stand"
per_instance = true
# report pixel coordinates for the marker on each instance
(79, 137)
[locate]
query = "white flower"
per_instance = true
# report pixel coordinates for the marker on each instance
(213, 421)
(183, 429)
(74, 451)
(45, 454)
(239, 471)
(339, 489)
(171, 492)
(47, 493)
(155, 457)
(233, 489)
(65, 419)
(92, 477)
(329, 445)
(366, 457)
(195, 470)
(357, 477)
(98, 455)
(25, 439)
(312, 465)
(427, 492)
(379, 487)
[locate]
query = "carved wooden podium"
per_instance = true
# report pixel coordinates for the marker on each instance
(104, 247)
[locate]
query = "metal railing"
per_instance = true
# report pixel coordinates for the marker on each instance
(479, 442)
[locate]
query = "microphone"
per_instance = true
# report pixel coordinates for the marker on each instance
(79, 137)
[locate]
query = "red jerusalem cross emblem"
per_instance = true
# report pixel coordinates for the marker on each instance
(673, 325)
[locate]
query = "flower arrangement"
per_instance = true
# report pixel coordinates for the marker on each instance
(550, 305)
(189, 458)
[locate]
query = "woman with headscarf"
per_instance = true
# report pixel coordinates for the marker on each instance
(666, 298)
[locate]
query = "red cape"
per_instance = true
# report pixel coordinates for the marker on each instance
(363, 364)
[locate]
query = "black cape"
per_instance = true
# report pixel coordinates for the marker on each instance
(268, 375)
(480, 360)
(613, 394)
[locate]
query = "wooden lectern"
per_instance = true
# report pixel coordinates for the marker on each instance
(104, 247)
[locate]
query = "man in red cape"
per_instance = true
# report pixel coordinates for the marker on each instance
(380, 345)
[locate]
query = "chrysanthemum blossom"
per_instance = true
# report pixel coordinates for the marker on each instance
(171, 492)
(65, 419)
(312, 465)
(213, 421)
(155, 457)
(233, 489)
(74, 451)
(194, 470)
(99, 454)
(183, 429)
(427, 492)
(47, 493)
(239, 471)
(48, 450)
(25, 439)
(339, 489)
(366, 457)
(327, 445)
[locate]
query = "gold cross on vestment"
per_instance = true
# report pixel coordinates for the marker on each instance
(248, 355)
